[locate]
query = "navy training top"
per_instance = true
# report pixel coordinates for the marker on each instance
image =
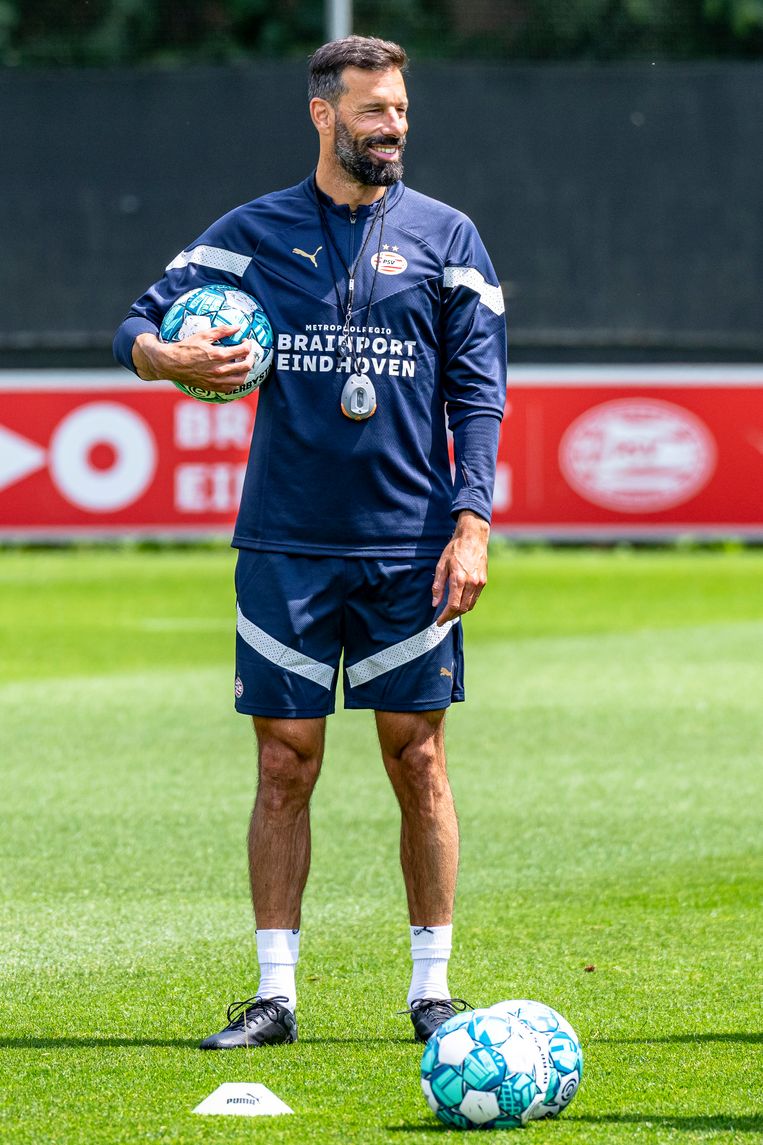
(433, 344)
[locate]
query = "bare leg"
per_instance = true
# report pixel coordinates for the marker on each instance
(413, 750)
(290, 756)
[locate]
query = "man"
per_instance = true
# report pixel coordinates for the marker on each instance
(353, 536)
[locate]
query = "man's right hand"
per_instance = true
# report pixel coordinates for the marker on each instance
(196, 361)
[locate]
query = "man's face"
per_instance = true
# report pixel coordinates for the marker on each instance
(370, 126)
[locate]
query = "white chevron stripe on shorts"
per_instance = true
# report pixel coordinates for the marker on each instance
(215, 257)
(282, 655)
(398, 654)
(472, 279)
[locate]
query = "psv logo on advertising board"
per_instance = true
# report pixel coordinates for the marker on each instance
(637, 455)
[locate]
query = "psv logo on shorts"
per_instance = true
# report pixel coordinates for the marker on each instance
(238, 688)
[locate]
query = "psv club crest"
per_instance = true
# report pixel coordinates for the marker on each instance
(389, 262)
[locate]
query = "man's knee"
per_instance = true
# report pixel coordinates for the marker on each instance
(290, 756)
(423, 774)
(418, 769)
(411, 736)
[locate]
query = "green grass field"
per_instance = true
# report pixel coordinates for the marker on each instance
(607, 770)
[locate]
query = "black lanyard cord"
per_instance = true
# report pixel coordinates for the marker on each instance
(345, 342)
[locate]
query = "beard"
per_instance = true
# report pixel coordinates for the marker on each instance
(359, 165)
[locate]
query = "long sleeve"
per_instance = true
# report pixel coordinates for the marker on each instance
(474, 368)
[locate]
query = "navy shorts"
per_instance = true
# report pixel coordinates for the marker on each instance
(297, 615)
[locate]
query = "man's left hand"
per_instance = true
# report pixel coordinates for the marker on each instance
(462, 568)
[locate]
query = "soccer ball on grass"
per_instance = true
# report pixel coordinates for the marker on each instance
(564, 1051)
(482, 1070)
(219, 305)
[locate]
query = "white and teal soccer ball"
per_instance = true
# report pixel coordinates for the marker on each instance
(564, 1051)
(221, 305)
(482, 1070)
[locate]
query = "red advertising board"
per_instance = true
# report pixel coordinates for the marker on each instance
(99, 453)
(599, 452)
(586, 452)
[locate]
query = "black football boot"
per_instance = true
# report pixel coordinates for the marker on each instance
(254, 1022)
(429, 1013)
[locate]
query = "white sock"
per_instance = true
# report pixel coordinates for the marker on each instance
(430, 951)
(277, 953)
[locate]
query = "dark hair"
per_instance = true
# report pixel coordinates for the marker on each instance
(367, 52)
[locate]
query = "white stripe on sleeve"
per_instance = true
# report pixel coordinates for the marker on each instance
(470, 277)
(215, 257)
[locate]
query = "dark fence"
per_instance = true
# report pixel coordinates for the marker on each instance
(621, 204)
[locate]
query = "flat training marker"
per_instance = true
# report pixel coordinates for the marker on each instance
(243, 1099)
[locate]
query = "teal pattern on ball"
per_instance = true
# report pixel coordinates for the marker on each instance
(564, 1051)
(484, 1070)
(453, 1119)
(516, 1094)
(218, 304)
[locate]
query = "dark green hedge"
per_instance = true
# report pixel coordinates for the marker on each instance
(47, 33)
